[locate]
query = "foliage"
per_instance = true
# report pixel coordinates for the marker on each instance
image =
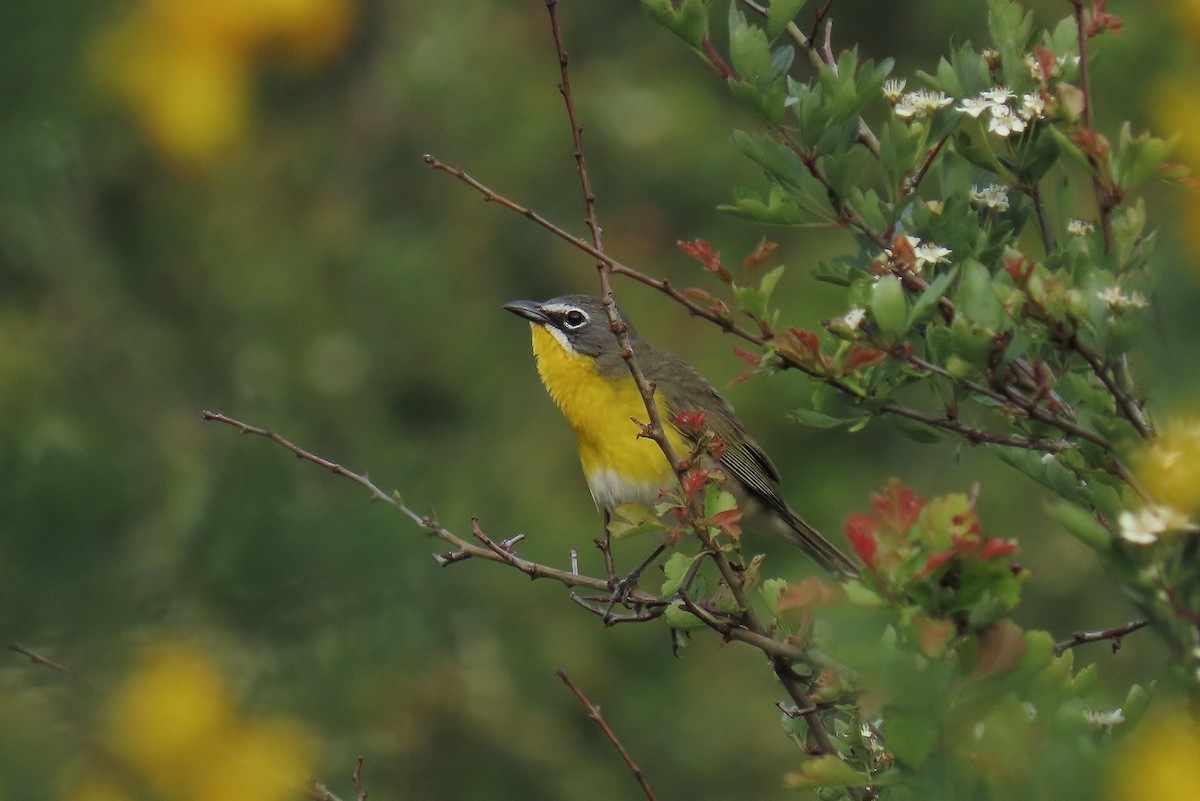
(305, 269)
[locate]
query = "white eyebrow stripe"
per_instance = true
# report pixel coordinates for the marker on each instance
(561, 308)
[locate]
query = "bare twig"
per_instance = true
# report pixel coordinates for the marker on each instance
(1104, 198)
(360, 792)
(42, 661)
(463, 549)
(593, 712)
(319, 792)
(1116, 634)
(866, 136)
(655, 429)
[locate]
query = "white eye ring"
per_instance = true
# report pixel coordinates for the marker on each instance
(575, 319)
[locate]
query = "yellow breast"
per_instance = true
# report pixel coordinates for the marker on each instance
(619, 465)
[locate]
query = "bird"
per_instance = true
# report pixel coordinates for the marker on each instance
(579, 359)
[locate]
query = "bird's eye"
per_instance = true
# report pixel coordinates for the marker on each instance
(575, 319)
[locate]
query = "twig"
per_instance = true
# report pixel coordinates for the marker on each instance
(1116, 634)
(1104, 200)
(656, 431)
(593, 712)
(866, 136)
(319, 792)
(42, 661)
(463, 549)
(911, 183)
(360, 792)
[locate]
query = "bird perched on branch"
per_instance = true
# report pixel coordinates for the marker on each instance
(579, 359)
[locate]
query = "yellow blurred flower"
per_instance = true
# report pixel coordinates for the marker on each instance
(168, 710)
(1170, 467)
(1159, 764)
(259, 762)
(172, 727)
(184, 67)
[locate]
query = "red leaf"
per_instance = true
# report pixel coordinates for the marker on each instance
(860, 531)
(861, 356)
(898, 506)
(935, 561)
(807, 594)
(711, 259)
(694, 481)
(903, 253)
(1018, 268)
(762, 251)
(749, 358)
(1103, 21)
(728, 521)
(698, 249)
(699, 295)
(690, 420)
(994, 548)
(1000, 649)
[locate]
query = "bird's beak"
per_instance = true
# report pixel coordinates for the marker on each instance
(531, 310)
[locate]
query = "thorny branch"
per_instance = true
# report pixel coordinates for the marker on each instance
(1116, 634)
(593, 712)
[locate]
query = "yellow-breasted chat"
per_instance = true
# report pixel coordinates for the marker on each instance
(579, 361)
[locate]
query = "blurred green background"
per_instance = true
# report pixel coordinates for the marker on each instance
(310, 274)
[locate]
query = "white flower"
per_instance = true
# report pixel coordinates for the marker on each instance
(1078, 228)
(1117, 300)
(1004, 122)
(1033, 65)
(1104, 720)
(893, 88)
(931, 254)
(993, 196)
(974, 106)
(853, 318)
(1145, 526)
(921, 103)
(1033, 106)
(998, 96)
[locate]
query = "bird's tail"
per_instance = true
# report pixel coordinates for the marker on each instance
(824, 552)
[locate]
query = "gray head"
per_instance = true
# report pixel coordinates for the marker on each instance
(579, 322)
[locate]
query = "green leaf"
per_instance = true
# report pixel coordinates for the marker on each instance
(911, 735)
(811, 418)
(1137, 701)
(749, 49)
(929, 298)
(717, 500)
(689, 22)
(826, 771)
(916, 430)
(755, 300)
(1083, 525)
(889, 307)
(977, 299)
(771, 589)
(681, 619)
(778, 209)
(1139, 157)
(675, 569)
(779, 14)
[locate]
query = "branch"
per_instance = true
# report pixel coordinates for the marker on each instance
(463, 549)
(42, 661)
(655, 429)
(593, 712)
(1104, 200)
(865, 135)
(1116, 634)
